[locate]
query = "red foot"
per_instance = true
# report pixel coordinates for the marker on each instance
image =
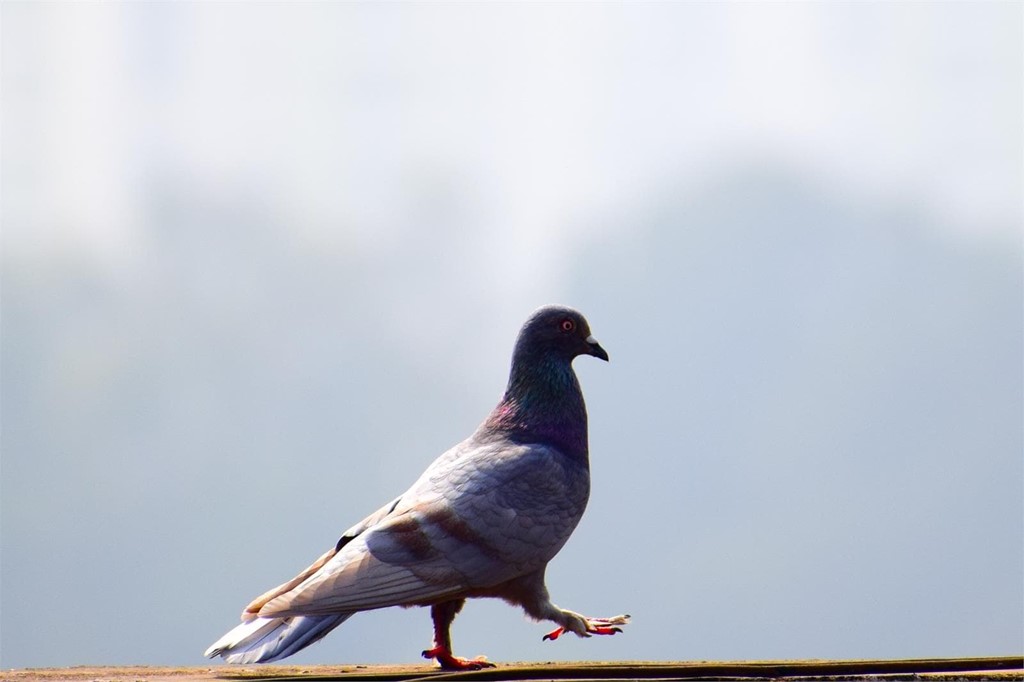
(558, 632)
(449, 662)
(596, 626)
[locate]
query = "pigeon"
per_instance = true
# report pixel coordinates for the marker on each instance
(483, 520)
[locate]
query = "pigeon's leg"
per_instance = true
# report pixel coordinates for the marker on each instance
(443, 614)
(530, 592)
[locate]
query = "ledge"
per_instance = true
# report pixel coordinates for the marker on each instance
(998, 667)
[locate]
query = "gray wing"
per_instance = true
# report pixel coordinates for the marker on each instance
(481, 515)
(254, 607)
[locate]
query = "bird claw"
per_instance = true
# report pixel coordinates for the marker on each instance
(448, 661)
(595, 626)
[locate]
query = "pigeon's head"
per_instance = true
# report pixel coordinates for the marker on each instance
(558, 331)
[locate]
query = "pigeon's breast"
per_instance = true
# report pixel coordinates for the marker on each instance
(525, 500)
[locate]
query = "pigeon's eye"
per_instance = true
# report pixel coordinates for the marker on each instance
(568, 325)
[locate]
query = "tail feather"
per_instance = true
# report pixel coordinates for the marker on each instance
(262, 640)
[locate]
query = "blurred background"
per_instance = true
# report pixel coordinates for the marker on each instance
(261, 263)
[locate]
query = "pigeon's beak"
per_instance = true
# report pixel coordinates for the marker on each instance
(594, 348)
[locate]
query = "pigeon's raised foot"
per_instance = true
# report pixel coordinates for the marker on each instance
(448, 661)
(595, 626)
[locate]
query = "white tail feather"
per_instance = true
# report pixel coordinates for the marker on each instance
(268, 639)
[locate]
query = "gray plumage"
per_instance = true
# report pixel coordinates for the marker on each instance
(482, 521)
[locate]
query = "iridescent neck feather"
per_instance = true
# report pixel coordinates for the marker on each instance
(543, 404)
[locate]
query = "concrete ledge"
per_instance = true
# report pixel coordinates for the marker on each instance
(998, 667)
